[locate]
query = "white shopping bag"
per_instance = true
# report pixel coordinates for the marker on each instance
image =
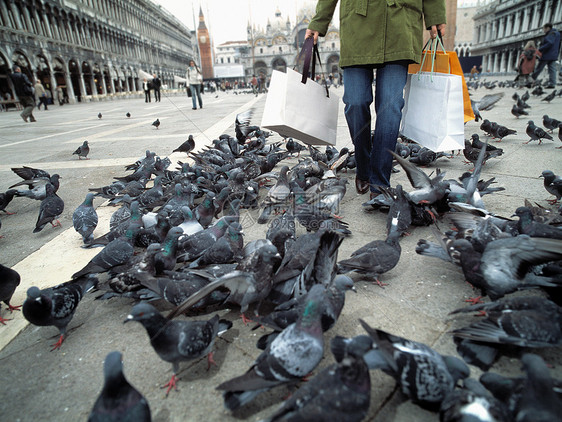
(300, 110)
(433, 113)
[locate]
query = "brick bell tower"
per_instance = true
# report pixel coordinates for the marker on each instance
(205, 48)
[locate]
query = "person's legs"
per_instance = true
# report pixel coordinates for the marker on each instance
(538, 69)
(552, 73)
(357, 97)
(193, 89)
(389, 100)
(199, 98)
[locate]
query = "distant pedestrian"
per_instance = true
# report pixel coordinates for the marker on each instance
(549, 49)
(40, 95)
(194, 82)
(60, 95)
(254, 83)
(146, 89)
(473, 73)
(24, 91)
(526, 64)
(156, 84)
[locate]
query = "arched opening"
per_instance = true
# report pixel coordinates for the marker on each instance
(74, 71)
(6, 86)
(88, 77)
(44, 75)
(279, 64)
(98, 83)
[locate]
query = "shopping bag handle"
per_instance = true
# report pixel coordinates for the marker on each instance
(433, 47)
(310, 51)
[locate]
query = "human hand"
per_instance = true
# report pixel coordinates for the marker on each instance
(310, 33)
(435, 28)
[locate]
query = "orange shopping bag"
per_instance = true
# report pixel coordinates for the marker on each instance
(444, 62)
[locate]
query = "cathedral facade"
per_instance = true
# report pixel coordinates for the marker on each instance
(92, 49)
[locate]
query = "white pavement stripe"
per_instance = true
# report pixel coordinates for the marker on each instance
(47, 136)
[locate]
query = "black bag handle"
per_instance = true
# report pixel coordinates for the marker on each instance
(310, 51)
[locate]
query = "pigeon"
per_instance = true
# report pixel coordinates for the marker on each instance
(471, 153)
(56, 305)
(486, 126)
(36, 186)
(85, 218)
(187, 146)
(165, 259)
(553, 185)
(82, 151)
(99, 116)
(423, 374)
(527, 225)
(478, 144)
(340, 392)
(116, 252)
(250, 282)
(178, 341)
(503, 266)
(242, 127)
(225, 250)
(293, 354)
(473, 403)
(376, 257)
(518, 111)
(428, 191)
(549, 97)
(515, 321)
(525, 96)
(501, 132)
(532, 397)
(6, 198)
(536, 133)
(50, 209)
(485, 103)
(277, 196)
(156, 123)
(9, 280)
(550, 123)
(118, 400)
(425, 157)
(294, 146)
(128, 115)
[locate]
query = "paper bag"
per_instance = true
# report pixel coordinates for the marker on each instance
(300, 111)
(433, 113)
(446, 62)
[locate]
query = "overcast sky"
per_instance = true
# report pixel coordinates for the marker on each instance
(227, 20)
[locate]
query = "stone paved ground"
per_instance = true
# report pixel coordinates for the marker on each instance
(63, 385)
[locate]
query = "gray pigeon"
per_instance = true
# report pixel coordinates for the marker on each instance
(85, 218)
(6, 198)
(118, 400)
(277, 196)
(82, 151)
(50, 209)
(424, 375)
(187, 146)
(251, 281)
(341, 392)
(427, 191)
(56, 305)
(473, 403)
(294, 353)
(36, 188)
(9, 280)
(553, 185)
(117, 252)
(536, 133)
(178, 341)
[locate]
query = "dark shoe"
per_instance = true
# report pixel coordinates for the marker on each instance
(32, 119)
(361, 186)
(549, 87)
(194, 108)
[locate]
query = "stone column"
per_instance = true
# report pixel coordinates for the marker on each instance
(536, 16)
(547, 12)
(525, 25)
(69, 88)
(47, 26)
(501, 28)
(509, 25)
(16, 15)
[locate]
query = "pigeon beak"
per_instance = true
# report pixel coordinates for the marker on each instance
(129, 318)
(354, 289)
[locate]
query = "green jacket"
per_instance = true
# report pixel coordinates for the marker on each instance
(379, 31)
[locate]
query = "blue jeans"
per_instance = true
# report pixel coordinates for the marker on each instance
(196, 95)
(374, 162)
(551, 70)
